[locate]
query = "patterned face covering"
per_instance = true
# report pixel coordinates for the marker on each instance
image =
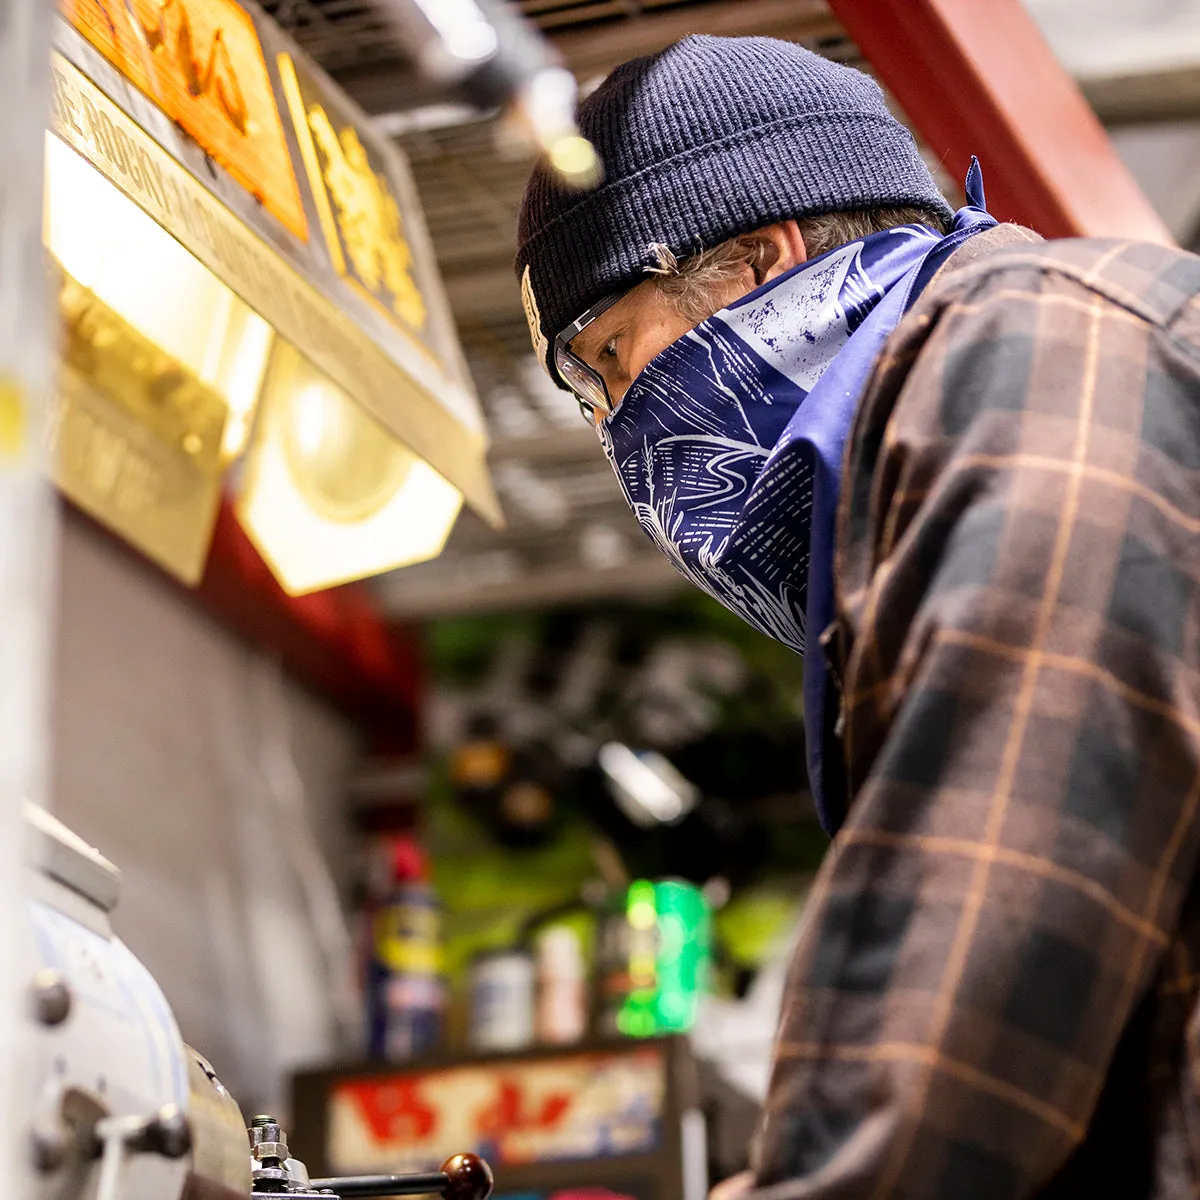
(728, 445)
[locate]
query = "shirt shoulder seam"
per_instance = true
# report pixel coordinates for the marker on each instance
(955, 285)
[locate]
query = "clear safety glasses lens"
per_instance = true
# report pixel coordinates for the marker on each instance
(588, 385)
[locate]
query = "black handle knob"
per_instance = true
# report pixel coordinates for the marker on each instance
(468, 1177)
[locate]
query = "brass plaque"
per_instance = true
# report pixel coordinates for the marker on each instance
(135, 438)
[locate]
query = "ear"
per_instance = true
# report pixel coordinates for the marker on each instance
(777, 249)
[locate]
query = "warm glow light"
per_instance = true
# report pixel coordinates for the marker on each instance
(575, 159)
(329, 495)
(108, 245)
(336, 455)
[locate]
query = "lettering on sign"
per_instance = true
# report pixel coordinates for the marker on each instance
(576, 1108)
(368, 218)
(201, 62)
(360, 215)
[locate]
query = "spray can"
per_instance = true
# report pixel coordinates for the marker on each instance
(405, 990)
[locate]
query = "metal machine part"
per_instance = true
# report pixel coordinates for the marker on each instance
(123, 1109)
(483, 52)
(276, 1173)
(112, 1104)
(462, 1177)
(219, 1167)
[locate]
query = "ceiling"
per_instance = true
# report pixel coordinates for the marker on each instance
(570, 537)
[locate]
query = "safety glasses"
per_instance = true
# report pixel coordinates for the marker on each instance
(588, 385)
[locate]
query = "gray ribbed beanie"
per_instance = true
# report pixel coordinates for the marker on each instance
(709, 138)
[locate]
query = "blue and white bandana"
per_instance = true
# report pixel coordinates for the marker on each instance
(728, 445)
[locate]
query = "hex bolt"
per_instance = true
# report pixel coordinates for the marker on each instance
(269, 1154)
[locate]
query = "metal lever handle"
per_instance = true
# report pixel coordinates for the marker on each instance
(431, 1183)
(463, 1177)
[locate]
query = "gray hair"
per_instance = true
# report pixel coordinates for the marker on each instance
(698, 284)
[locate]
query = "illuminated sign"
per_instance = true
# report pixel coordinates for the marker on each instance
(200, 61)
(360, 214)
(405, 404)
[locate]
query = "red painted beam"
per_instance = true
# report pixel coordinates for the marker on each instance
(977, 77)
(337, 642)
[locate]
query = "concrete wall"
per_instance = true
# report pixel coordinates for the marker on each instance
(185, 757)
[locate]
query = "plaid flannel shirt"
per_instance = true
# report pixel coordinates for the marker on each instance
(996, 994)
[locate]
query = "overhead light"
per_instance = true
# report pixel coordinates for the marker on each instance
(464, 37)
(328, 495)
(110, 247)
(161, 369)
(646, 787)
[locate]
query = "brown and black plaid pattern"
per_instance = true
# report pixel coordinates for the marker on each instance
(996, 993)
